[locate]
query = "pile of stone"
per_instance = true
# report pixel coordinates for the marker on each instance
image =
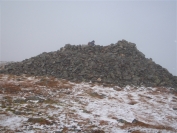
(120, 64)
(4, 63)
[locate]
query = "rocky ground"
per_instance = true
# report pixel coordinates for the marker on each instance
(39, 104)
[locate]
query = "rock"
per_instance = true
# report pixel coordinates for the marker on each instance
(30, 128)
(134, 121)
(20, 101)
(34, 98)
(18, 113)
(99, 79)
(65, 74)
(121, 121)
(120, 64)
(174, 108)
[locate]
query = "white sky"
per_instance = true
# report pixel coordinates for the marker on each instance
(29, 28)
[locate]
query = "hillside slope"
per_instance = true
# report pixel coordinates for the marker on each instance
(46, 104)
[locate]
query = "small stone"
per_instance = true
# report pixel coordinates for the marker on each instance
(99, 79)
(30, 128)
(134, 121)
(121, 121)
(18, 112)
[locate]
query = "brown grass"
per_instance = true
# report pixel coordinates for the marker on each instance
(27, 84)
(52, 82)
(129, 96)
(10, 76)
(144, 125)
(48, 82)
(3, 104)
(65, 130)
(132, 102)
(1, 75)
(161, 102)
(97, 131)
(8, 98)
(174, 100)
(9, 88)
(144, 99)
(112, 117)
(65, 86)
(50, 106)
(102, 122)
(163, 90)
(41, 121)
(23, 82)
(37, 91)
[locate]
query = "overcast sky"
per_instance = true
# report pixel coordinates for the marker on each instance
(29, 28)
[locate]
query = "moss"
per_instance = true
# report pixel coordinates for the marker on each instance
(50, 101)
(21, 101)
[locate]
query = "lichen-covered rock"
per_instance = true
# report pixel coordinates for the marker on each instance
(120, 63)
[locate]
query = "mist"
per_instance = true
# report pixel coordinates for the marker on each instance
(29, 28)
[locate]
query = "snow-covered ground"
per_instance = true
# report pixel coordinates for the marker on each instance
(45, 104)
